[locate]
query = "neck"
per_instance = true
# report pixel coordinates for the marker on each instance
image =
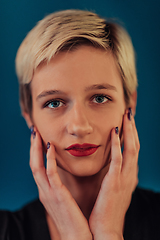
(83, 189)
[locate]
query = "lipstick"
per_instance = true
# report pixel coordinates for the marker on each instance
(82, 150)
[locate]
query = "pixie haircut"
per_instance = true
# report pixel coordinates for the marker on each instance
(66, 31)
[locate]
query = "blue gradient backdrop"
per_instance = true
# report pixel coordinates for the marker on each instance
(141, 18)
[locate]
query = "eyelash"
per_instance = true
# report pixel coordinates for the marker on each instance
(62, 101)
(101, 95)
(53, 100)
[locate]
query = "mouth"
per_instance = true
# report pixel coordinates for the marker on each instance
(82, 150)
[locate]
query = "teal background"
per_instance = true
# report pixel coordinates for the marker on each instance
(142, 20)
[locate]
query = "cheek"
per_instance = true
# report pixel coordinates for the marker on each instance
(49, 129)
(109, 120)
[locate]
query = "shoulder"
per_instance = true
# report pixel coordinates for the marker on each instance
(146, 200)
(26, 223)
(143, 215)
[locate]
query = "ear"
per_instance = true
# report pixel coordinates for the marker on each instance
(27, 118)
(133, 102)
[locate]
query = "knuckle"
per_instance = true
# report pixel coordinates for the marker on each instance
(132, 151)
(46, 196)
(43, 198)
(35, 169)
(56, 195)
(49, 173)
(138, 146)
(52, 175)
(117, 165)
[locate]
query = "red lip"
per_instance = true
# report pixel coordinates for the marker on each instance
(81, 150)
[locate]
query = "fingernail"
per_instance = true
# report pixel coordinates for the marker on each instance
(32, 129)
(116, 130)
(34, 134)
(129, 113)
(48, 145)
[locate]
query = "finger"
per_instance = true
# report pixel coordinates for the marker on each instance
(130, 152)
(52, 173)
(116, 156)
(137, 143)
(37, 161)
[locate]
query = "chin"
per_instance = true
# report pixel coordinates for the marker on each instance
(83, 170)
(84, 167)
(85, 173)
(92, 172)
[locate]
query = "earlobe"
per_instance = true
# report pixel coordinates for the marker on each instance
(133, 102)
(27, 119)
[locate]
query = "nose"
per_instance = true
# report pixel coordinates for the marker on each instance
(79, 122)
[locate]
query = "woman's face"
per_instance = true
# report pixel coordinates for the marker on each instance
(78, 98)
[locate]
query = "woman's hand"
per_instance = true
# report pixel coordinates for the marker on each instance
(68, 219)
(107, 218)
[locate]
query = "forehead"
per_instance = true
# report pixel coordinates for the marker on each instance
(80, 68)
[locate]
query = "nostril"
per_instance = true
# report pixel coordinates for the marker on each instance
(79, 130)
(78, 123)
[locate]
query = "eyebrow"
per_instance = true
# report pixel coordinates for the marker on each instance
(93, 87)
(47, 93)
(101, 86)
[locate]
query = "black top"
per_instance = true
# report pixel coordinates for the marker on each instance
(142, 220)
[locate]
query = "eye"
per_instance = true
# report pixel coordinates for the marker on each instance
(54, 104)
(100, 99)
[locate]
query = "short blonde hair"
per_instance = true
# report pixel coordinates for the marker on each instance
(65, 30)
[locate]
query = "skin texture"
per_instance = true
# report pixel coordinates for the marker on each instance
(85, 197)
(80, 120)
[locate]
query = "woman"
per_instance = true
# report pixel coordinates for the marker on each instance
(78, 96)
